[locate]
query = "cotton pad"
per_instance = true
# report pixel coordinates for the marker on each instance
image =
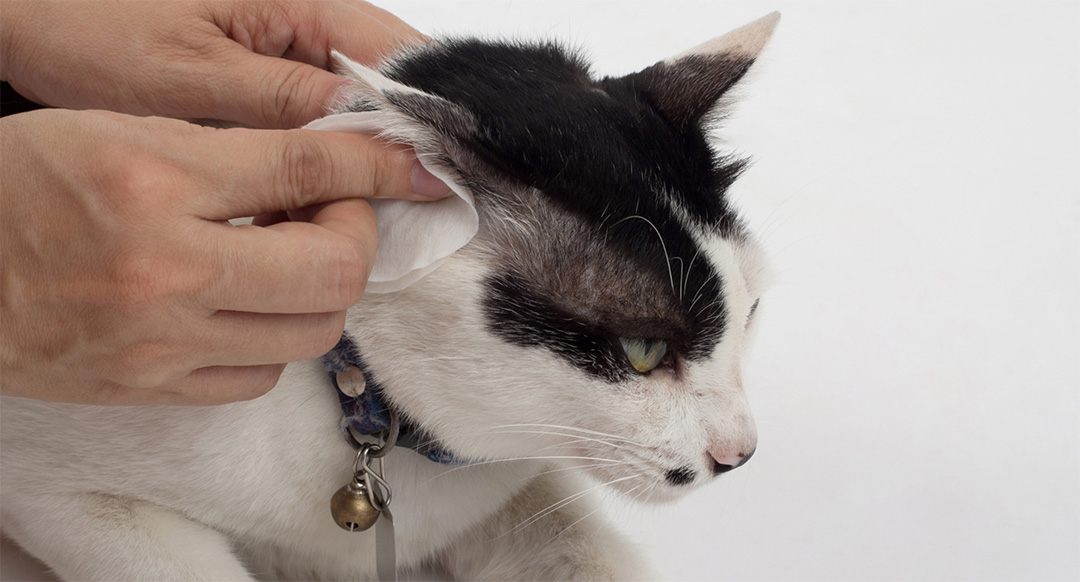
(414, 237)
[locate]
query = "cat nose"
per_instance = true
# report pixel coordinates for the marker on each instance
(724, 460)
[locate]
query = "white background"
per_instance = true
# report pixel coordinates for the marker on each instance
(915, 380)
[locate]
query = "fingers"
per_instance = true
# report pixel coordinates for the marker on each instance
(218, 385)
(294, 267)
(381, 35)
(366, 33)
(271, 92)
(249, 339)
(202, 387)
(260, 89)
(255, 172)
(270, 218)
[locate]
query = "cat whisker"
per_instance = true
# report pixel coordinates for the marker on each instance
(306, 400)
(774, 219)
(587, 515)
(531, 458)
(567, 440)
(444, 359)
(700, 289)
(681, 265)
(663, 245)
(571, 442)
(562, 503)
(577, 468)
(605, 215)
(574, 438)
(686, 276)
(573, 428)
(575, 441)
(576, 521)
(644, 492)
(607, 439)
(798, 241)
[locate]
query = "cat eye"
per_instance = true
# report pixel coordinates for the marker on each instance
(644, 355)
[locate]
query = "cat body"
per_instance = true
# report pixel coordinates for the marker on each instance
(596, 324)
(258, 506)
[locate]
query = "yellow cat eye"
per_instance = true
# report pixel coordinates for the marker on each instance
(644, 355)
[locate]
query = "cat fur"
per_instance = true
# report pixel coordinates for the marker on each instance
(603, 217)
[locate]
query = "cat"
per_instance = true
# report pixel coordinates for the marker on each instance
(595, 325)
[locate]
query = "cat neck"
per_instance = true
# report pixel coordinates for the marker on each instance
(366, 411)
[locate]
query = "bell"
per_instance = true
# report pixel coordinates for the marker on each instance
(351, 508)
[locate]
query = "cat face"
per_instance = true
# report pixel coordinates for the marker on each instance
(601, 313)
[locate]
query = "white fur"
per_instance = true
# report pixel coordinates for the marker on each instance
(204, 493)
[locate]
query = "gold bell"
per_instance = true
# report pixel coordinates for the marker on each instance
(351, 508)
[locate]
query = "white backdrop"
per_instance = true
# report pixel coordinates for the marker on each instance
(915, 380)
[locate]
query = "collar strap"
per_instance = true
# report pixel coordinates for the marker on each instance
(364, 409)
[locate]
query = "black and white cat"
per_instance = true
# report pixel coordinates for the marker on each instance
(597, 322)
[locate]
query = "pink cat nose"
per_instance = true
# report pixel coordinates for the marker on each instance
(725, 460)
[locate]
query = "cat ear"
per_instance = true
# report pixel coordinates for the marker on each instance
(687, 86)
(371, 90)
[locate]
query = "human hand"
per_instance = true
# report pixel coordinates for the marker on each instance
(191, 60)
(122, 282)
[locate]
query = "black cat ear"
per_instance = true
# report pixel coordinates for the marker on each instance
(684, 88)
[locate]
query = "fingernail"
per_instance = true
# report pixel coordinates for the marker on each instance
(425, 184)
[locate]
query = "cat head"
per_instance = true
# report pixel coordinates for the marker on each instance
(602, 312)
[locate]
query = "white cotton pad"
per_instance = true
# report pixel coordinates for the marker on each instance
(414, 237)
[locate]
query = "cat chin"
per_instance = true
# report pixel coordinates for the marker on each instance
(634, 479)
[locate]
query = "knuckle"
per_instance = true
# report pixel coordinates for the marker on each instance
(291, 95)
(367, 243)
(261, 380)
(348, 272)
(378, 166)
(306, 169)
(145, 365)
(133, 183)
(327, 333)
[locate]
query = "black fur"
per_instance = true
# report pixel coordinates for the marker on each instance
(680, 476)
(587, 144)
(623, 154)
(527, 318)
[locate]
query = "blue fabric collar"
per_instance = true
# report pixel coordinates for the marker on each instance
(367, 413)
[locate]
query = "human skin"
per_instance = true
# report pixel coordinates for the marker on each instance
(122, 281)
(256, 62)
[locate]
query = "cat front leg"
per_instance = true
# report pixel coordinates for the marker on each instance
(548, 531)
(91, 536)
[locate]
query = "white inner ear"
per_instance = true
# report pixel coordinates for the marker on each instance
(746, 41)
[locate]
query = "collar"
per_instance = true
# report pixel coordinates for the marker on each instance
(364, 409)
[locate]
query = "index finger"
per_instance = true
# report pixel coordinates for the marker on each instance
(249, 172)
(257, 88)
(365, 32)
